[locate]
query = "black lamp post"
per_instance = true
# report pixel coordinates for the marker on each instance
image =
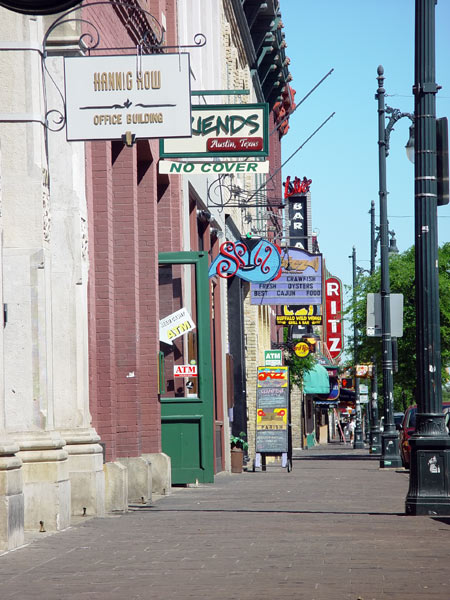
(390, 455)
(429, 489)
(375, 432)
(358, 439)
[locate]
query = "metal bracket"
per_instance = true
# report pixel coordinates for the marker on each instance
(151, 42)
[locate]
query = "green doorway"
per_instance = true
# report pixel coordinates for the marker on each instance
(187, 404)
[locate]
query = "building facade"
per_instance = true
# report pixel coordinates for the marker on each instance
(100, 245)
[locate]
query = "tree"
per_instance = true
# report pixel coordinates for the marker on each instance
(402, 281)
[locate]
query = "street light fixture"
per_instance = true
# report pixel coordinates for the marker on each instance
(390, 455)
(410, 144)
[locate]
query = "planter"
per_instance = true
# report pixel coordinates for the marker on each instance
(237, 460)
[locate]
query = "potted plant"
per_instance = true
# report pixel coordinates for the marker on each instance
(238, 445)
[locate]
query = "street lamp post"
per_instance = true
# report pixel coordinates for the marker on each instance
(358, 439)
(390, 455)
(375, 433)
(429, 489)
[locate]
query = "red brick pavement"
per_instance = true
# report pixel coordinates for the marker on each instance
(333, 528)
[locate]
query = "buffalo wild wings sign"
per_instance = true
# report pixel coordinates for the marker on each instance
(109, 96)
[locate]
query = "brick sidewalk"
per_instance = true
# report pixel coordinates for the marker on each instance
(333, 528)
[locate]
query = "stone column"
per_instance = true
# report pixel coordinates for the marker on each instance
(11, 497)
(46, 480)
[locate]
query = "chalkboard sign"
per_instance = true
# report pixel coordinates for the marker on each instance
(272, 408)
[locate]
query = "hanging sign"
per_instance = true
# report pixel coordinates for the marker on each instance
(175, 325)
(333, 317)
(302, 349)
(168, 167)
(260, 262)
(109, 96)
(296, 187)
(273, 358)
(39, 7)
(299, 315)
(364, 371)
(223, 130)
(300, 281)
(295, 192)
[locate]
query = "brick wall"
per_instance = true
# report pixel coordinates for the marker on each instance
(133, 214)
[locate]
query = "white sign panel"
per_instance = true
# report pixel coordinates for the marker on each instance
(374, 322)
(108, 96)
(175, 325)
(223, 130)
(168, 167)
(185, 370)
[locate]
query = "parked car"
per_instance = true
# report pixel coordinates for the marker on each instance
(398, 418)
(408, 427)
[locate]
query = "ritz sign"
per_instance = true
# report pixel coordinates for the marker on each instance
(108, 97)
(333, 316)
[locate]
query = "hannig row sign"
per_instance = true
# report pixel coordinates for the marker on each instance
(223, 130)
(107, 96)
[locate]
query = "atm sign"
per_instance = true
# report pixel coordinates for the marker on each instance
(185, 370)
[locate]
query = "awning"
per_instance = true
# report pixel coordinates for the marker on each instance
(316, 381)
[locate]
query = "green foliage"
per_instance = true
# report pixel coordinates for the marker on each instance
(239, 441)
(298, 366)
(402, 281)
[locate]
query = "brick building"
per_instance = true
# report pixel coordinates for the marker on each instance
(99, 245)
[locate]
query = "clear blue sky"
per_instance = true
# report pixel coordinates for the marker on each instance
(354, 37)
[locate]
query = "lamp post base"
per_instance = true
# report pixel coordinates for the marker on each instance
(429, 480)
(390, 453)
(358, 444)
(375, 441)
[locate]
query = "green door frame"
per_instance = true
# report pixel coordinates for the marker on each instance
(190, 420)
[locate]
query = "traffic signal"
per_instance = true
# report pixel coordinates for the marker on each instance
(347, 383)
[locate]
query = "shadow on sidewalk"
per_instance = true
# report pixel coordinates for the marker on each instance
(271, 511)
(335, 457)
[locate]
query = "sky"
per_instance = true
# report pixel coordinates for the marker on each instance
(353, 37)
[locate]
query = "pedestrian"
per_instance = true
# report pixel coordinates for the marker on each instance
(351, 429)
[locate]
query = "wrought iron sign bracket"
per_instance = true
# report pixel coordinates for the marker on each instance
(151, 42)
(224, 193)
